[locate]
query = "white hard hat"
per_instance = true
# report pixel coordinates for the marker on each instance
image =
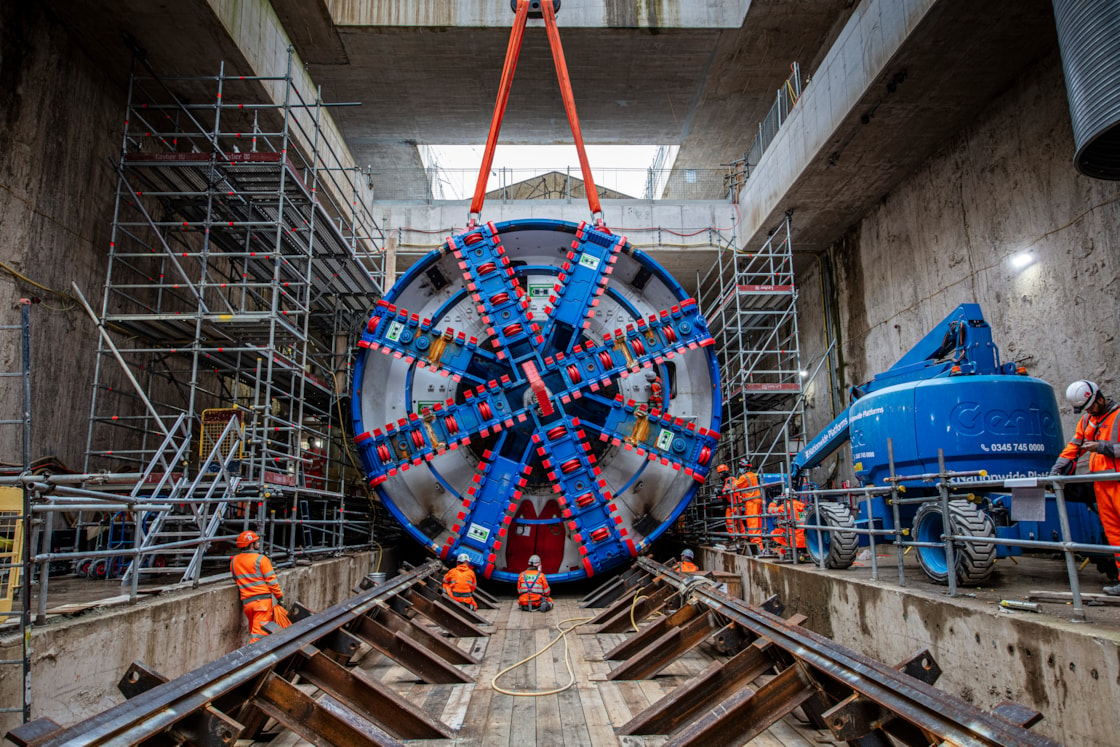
(688, 554)
(1081, 394)
(535, 560)
(463, 558)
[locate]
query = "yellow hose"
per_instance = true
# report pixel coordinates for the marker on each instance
(567, 662)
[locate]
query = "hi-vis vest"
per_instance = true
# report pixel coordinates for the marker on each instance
(254, 576)
(532, 586)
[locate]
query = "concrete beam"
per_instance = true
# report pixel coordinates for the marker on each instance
(885, 97)
(683, 237)
(656, 14)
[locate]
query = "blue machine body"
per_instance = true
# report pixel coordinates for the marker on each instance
(536, 386)
(952, 393)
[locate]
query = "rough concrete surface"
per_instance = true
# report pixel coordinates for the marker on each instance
(59, 126)
(946, 236)
(76, 663)
(1067, 671)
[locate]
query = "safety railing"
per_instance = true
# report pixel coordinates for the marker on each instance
(768, 528)
(788, 94)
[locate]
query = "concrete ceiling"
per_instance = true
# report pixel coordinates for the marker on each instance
(703, 87)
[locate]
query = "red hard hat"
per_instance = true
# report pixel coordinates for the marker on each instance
(723, 468)
(247, 538)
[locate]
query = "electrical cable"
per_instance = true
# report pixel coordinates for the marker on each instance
(567, 662)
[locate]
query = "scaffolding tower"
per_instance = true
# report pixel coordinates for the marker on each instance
(243, 261)
(749, 300)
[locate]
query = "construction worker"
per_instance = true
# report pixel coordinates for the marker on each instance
(256, 581)
(750, 502)
(1097, 432)
(727, 493)
(532, 587)
(687, 563)
(787, 512)
(459, 583)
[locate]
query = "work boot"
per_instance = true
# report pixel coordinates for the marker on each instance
(1112, 591)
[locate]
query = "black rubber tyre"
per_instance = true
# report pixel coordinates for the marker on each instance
(974, 560)
(838, 546)
(81, 568)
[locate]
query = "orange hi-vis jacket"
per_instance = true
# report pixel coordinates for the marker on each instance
(793, 511)
(1104, 430)
(1107, 429)
(532, 588)
(686, 566)
(459, 583)
(255, 577)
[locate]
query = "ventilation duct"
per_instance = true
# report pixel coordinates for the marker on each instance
(1089, 39)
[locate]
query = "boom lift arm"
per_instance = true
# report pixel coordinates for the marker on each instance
(961, 345)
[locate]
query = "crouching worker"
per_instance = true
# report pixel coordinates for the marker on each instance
(532, 588)
(459, 583)
(256, 581)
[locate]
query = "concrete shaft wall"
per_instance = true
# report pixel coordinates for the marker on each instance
(59, 130)
(947, 235)
(77, 663)
(1070, 676)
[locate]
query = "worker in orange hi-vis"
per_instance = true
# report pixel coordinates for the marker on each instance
(727, 493)
(460, 582)
(1098, 432)
(256, 581)
(787, 512)
(533, 592)
(687, 563)
(750, 502)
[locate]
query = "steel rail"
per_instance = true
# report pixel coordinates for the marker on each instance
(928, 708)
(156, 710)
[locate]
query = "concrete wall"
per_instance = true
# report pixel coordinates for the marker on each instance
(1069, 674)
(60, 125)
(77, 663)
(947, 234)
(681, 236)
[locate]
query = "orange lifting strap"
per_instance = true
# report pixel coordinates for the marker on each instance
(517, 33)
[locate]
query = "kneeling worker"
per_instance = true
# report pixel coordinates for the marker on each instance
(459, 583)
(256, 581)
(532, 588)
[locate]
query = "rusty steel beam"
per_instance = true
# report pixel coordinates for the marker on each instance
(378, 703)
(661, 652)
(703, 692)
(608, 593)
(245, 686)
(747, 713)
(316, 721)
(651, 633)
(907, 698)
(429, 667)
(444, 613)
(646, 605)
(398, 623)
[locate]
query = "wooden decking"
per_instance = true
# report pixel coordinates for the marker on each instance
(585, 714)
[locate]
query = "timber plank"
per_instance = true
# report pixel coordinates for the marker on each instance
(523, 722)
(549, 726)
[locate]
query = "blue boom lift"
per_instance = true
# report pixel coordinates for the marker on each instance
(949, 392)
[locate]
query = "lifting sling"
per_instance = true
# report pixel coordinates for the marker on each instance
(517, 34)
